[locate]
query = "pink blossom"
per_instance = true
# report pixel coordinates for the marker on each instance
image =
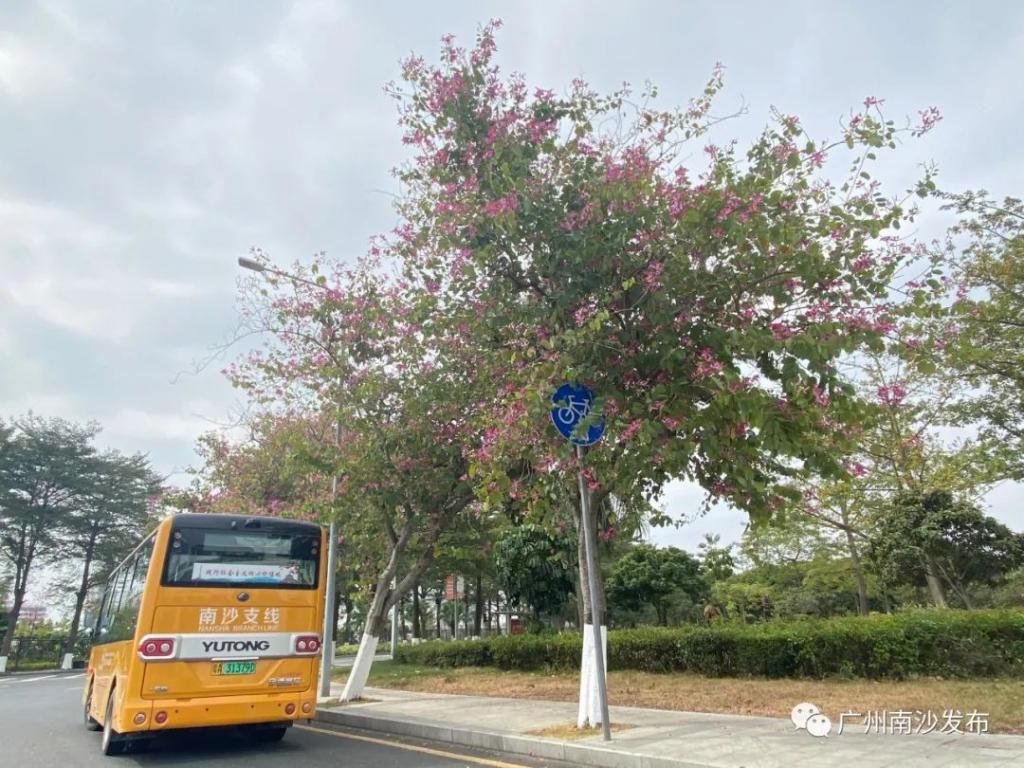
(782, 331)
(496, 207)
(629, 431)
(708, 365)
(891, 395)
(929, 117)
(652, 275)
(584, 314)
(820, 398)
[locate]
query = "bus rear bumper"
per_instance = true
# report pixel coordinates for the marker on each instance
(216, 711)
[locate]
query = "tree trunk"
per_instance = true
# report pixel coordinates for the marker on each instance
(858, 575)
(478, 615)
(858, 568)
(589, 712)
(437, 615)
(934, 584)
(384, 597)
(417, 621)
(346, 629)
(584, 581)
(579, 599)
(965, 596)
(20, 586)
(12, 622)
(339, 599)
(83, 590)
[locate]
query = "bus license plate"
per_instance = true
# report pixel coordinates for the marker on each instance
(234, 668)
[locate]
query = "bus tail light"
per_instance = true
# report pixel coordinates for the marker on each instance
(307, 645)
(155, 648)
(160, 717)
(140, 718)
(289, 709)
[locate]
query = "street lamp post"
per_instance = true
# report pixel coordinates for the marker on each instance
(327, 650)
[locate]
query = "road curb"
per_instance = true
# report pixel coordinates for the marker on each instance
(548, 749)
(31, 672)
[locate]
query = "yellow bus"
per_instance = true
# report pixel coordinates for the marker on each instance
(211, 621)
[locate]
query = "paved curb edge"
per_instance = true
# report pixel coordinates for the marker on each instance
(582, 754)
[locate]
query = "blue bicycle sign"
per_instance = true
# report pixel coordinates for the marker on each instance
(572, 404)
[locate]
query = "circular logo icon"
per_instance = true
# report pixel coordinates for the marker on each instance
(819, 725)
(801, 713)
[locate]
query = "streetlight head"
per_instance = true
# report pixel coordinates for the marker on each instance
(247, 263)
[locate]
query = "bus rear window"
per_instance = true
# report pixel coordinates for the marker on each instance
(200, 557)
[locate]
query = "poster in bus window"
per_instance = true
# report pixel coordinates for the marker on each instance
(248, 573)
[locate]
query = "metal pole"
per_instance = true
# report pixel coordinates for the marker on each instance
(394, 620)
(327, 652)
(602, 690)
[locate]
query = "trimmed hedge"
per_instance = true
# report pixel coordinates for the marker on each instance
(948, 643)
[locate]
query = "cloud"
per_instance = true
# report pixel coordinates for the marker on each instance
(144, 426)
(26, 71)
(146, 146)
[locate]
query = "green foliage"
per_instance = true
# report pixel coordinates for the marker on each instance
(717, 562)
(933, 532)
(981, 336)
(532, 566)
(652, 576)
(821, 587)
(44, 469)
(922, 643)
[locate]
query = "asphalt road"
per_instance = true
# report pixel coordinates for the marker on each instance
(40, 727)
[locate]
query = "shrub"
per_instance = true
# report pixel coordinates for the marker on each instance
(918, 643)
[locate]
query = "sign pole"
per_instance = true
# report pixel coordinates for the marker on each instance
(595, 619)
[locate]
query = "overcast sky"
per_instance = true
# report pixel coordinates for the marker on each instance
(144, 146)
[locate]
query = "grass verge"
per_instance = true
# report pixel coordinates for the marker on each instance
(1002, 700)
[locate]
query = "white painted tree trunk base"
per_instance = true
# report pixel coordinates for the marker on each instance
(361, 668)
(3, 664)
(66, 663)
(589, 715)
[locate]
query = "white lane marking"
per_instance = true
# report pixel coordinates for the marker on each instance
(32, 679)
(18, 680)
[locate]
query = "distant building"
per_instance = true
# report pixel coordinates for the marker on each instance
(32, 615)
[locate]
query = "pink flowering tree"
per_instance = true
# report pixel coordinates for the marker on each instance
(355, 349)
(706, 294)
(273, 471)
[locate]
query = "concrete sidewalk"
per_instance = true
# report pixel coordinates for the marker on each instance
(662, 739)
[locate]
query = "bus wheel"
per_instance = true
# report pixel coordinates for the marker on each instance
(88, 719)
(112, 744)
(270, 735)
